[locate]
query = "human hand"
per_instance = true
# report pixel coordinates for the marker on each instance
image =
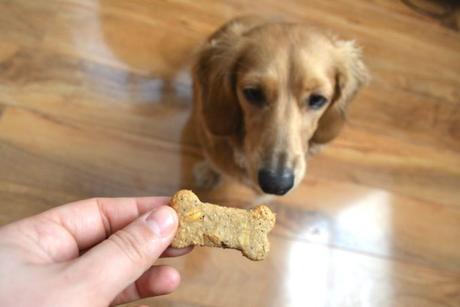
(93, 252)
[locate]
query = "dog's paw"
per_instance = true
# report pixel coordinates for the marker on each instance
(315, 149)
(205, 177)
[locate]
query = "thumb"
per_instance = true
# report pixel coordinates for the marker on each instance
(121, 259)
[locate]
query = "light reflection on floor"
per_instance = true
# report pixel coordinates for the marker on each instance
(366, 222)
(320, 276)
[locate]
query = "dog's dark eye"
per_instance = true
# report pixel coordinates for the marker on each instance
(254, 95)
(315, 102)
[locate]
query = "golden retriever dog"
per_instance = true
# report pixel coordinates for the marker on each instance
(266, 95)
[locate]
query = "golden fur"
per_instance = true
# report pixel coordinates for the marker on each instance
(289, 61)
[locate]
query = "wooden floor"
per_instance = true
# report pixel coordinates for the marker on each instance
(94, 100)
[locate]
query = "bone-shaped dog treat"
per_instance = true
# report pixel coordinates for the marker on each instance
(215, 226)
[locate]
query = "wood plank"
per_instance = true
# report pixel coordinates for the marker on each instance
(24, 22)
(302, 274)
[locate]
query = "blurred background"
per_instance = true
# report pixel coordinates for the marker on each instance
(95, 98)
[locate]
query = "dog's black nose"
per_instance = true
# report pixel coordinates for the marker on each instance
(276, 182)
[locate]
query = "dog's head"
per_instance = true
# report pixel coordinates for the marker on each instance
(278, 88)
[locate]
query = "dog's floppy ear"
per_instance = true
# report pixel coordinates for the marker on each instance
(215, 79)
(351, 74)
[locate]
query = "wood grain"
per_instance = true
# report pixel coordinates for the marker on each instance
(95, 98)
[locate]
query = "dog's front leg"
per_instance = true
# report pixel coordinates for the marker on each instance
(205, 176)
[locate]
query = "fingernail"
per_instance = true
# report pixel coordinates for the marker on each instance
(162, 221)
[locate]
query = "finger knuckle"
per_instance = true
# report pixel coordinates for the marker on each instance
(131, 245)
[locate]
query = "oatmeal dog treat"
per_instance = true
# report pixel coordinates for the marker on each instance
(215, 226)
